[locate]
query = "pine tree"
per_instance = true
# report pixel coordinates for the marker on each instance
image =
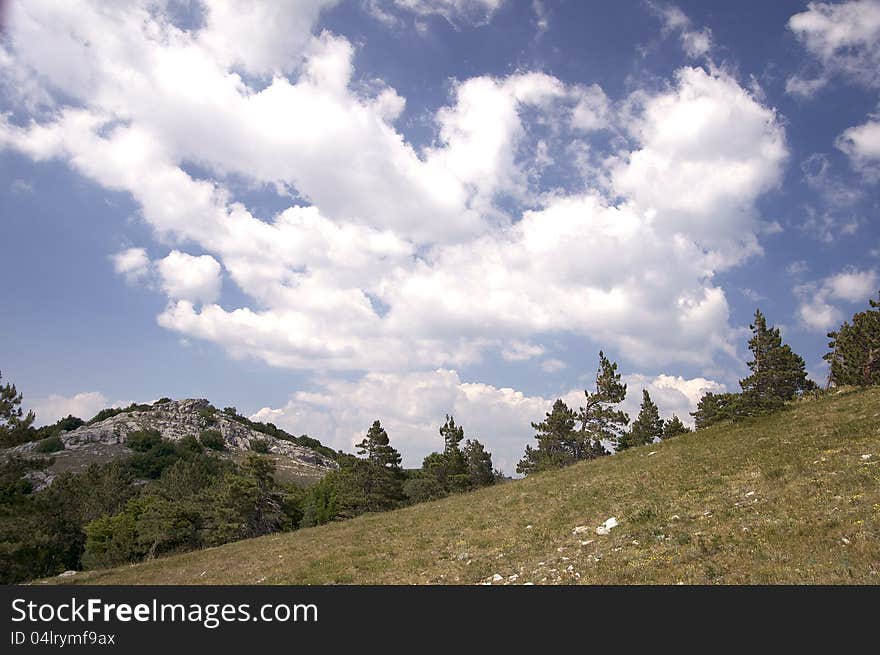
(673, 427)
(855, 349)
(377, 449)
(778, 374)
(715, 407)
(479, 464)
(557, 436)
(646, 427)
(450, 467)
(13, 428)
(378, 476)
(599, 419)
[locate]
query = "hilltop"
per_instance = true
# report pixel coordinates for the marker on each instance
(103, 440)
(793, 497)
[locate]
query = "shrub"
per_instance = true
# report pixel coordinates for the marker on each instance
(69, 423)
(162, 401)
(152, 462)
(212, 439)
(419, 490)
(50, 445)
(143, 440)
(260, 445)
(189, 445)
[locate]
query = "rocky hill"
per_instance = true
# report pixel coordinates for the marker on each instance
(104, 440)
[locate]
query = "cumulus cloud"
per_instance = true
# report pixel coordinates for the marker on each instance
(862, 145)
(133, 263)
(184, 277)
(817, 309)
(843, 38)
(397, 258)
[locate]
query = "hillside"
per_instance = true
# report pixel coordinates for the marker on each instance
(789, 498)
(104, 440)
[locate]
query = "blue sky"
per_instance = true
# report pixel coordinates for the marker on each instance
(330, 211)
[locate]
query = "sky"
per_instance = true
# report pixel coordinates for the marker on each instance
(327, 212)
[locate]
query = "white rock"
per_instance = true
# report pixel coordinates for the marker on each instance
(587, 542)
(581, 529)
(606, 527)
(866, 457)
(66, 574)
(653, 452)
(497, 577)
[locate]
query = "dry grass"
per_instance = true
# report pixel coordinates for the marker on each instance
(789, 498)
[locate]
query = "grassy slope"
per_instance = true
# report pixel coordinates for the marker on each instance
(787, 498)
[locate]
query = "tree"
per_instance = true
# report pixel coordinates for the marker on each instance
(646, 427)
(479, 464)
(778, 373)
(13, 428)
(599, 419)
(673, 427)
(558, 440)
(854, 357)
(715, 407)
(377, 450)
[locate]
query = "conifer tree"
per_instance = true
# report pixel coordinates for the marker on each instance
(377, 449)
(13, 428)
(479, 464)
(599, 418)
(674, 427)
(855, 349)
(777, 372)
(557, 436)
(715, 407)
(450, 467)
(646, 427)
(378, 476)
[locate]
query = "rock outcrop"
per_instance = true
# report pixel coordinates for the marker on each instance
(174, 420)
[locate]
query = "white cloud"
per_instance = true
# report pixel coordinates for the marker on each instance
(852, 285)
(707, 150)
(862, 145)
(553, 365)
(184, 277)
(845, 40)
(133, 263)
(518, 351)
(262, 38)
(83, 405)
(696, 43)
(817, 311)
(399, 259)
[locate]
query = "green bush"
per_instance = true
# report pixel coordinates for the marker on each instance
(143, 440)
(150, 463)
(189, 445)
(162, 401)
(260, 445)
(212, 439)
(50, 445)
